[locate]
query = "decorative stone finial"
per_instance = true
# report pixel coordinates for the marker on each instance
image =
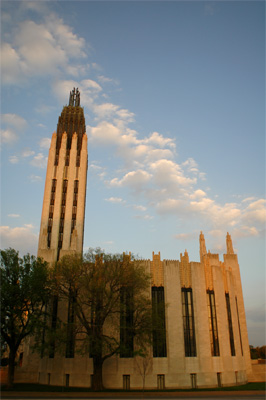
(229, 244)
(203, 250)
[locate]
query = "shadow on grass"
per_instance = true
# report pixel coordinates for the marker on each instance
(35, 387)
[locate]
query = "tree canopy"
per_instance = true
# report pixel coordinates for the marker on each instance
(24, 292)
(109, 306)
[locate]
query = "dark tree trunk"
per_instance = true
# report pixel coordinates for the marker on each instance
(11, 368)
(97, 381)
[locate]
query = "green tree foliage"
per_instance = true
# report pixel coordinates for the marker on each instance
(111, 301)
(257, 352)
(24, 292)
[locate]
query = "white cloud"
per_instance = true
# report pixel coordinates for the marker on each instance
(27, 153)
(104, 79)
(39, 161)
(255, 211)
(134, 179)
(169, 174)
(8, 136)
(10, 64)
(170, 206)
(45, 143)
(13, 215)
(159, 140)
(186, 236)
(245, 231)
(91, 85)
(22, 239)
(115, 200)
(14, 120)
(105, 133)
(14, 124)
(13, 159)
(139, 208)
(35, 178)
(145, 217)
(197, 194)
(41, 49)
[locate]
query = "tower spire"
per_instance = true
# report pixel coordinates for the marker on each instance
(229, 244)
(203, 250)
(74, 98)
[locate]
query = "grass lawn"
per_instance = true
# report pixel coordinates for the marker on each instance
(35, 387)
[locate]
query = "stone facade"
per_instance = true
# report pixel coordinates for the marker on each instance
(205, 325)
(231, 366)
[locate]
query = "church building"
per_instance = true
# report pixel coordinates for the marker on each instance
(205, 341)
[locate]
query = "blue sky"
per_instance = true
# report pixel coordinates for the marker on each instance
(174, 100)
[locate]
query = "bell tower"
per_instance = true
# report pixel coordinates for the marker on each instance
(63, 213)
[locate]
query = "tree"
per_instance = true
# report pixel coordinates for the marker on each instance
(144, 365)
(24, 292)
(112, 307)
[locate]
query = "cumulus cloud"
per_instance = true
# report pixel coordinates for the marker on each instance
(45, 143)
(187, 236)
(41, 49)
(35, 178)
(255, 211)
(169, 174)
(13, 124)
(14, 120)
(115, 200)
(13, 159)
(133, 179)
(8, 136)
(39, 161)
(27, 153)
(20, 238)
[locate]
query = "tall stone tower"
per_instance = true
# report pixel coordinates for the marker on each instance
(62, 221)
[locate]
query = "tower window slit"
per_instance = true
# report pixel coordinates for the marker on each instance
(126, 322)
(239, 328)
(213, 323)
(53, 185)
(51, 211)
(230, 325)
(188, 323)
(64, 185)
(67, 158)
(49, 239)
(158, 321)
(73, 225)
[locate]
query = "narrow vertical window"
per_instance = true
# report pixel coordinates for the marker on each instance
(219, 379)
(74, 207)
(230, 325)
(160, 382)
(62, 215)
(51, 213)
(193, 378)
(126, 382)
(158, 320)
(70, 346)
(188, 323)
(53, 325)
(67, 380)
(213, 323)
(240, 337)
(126, 322)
